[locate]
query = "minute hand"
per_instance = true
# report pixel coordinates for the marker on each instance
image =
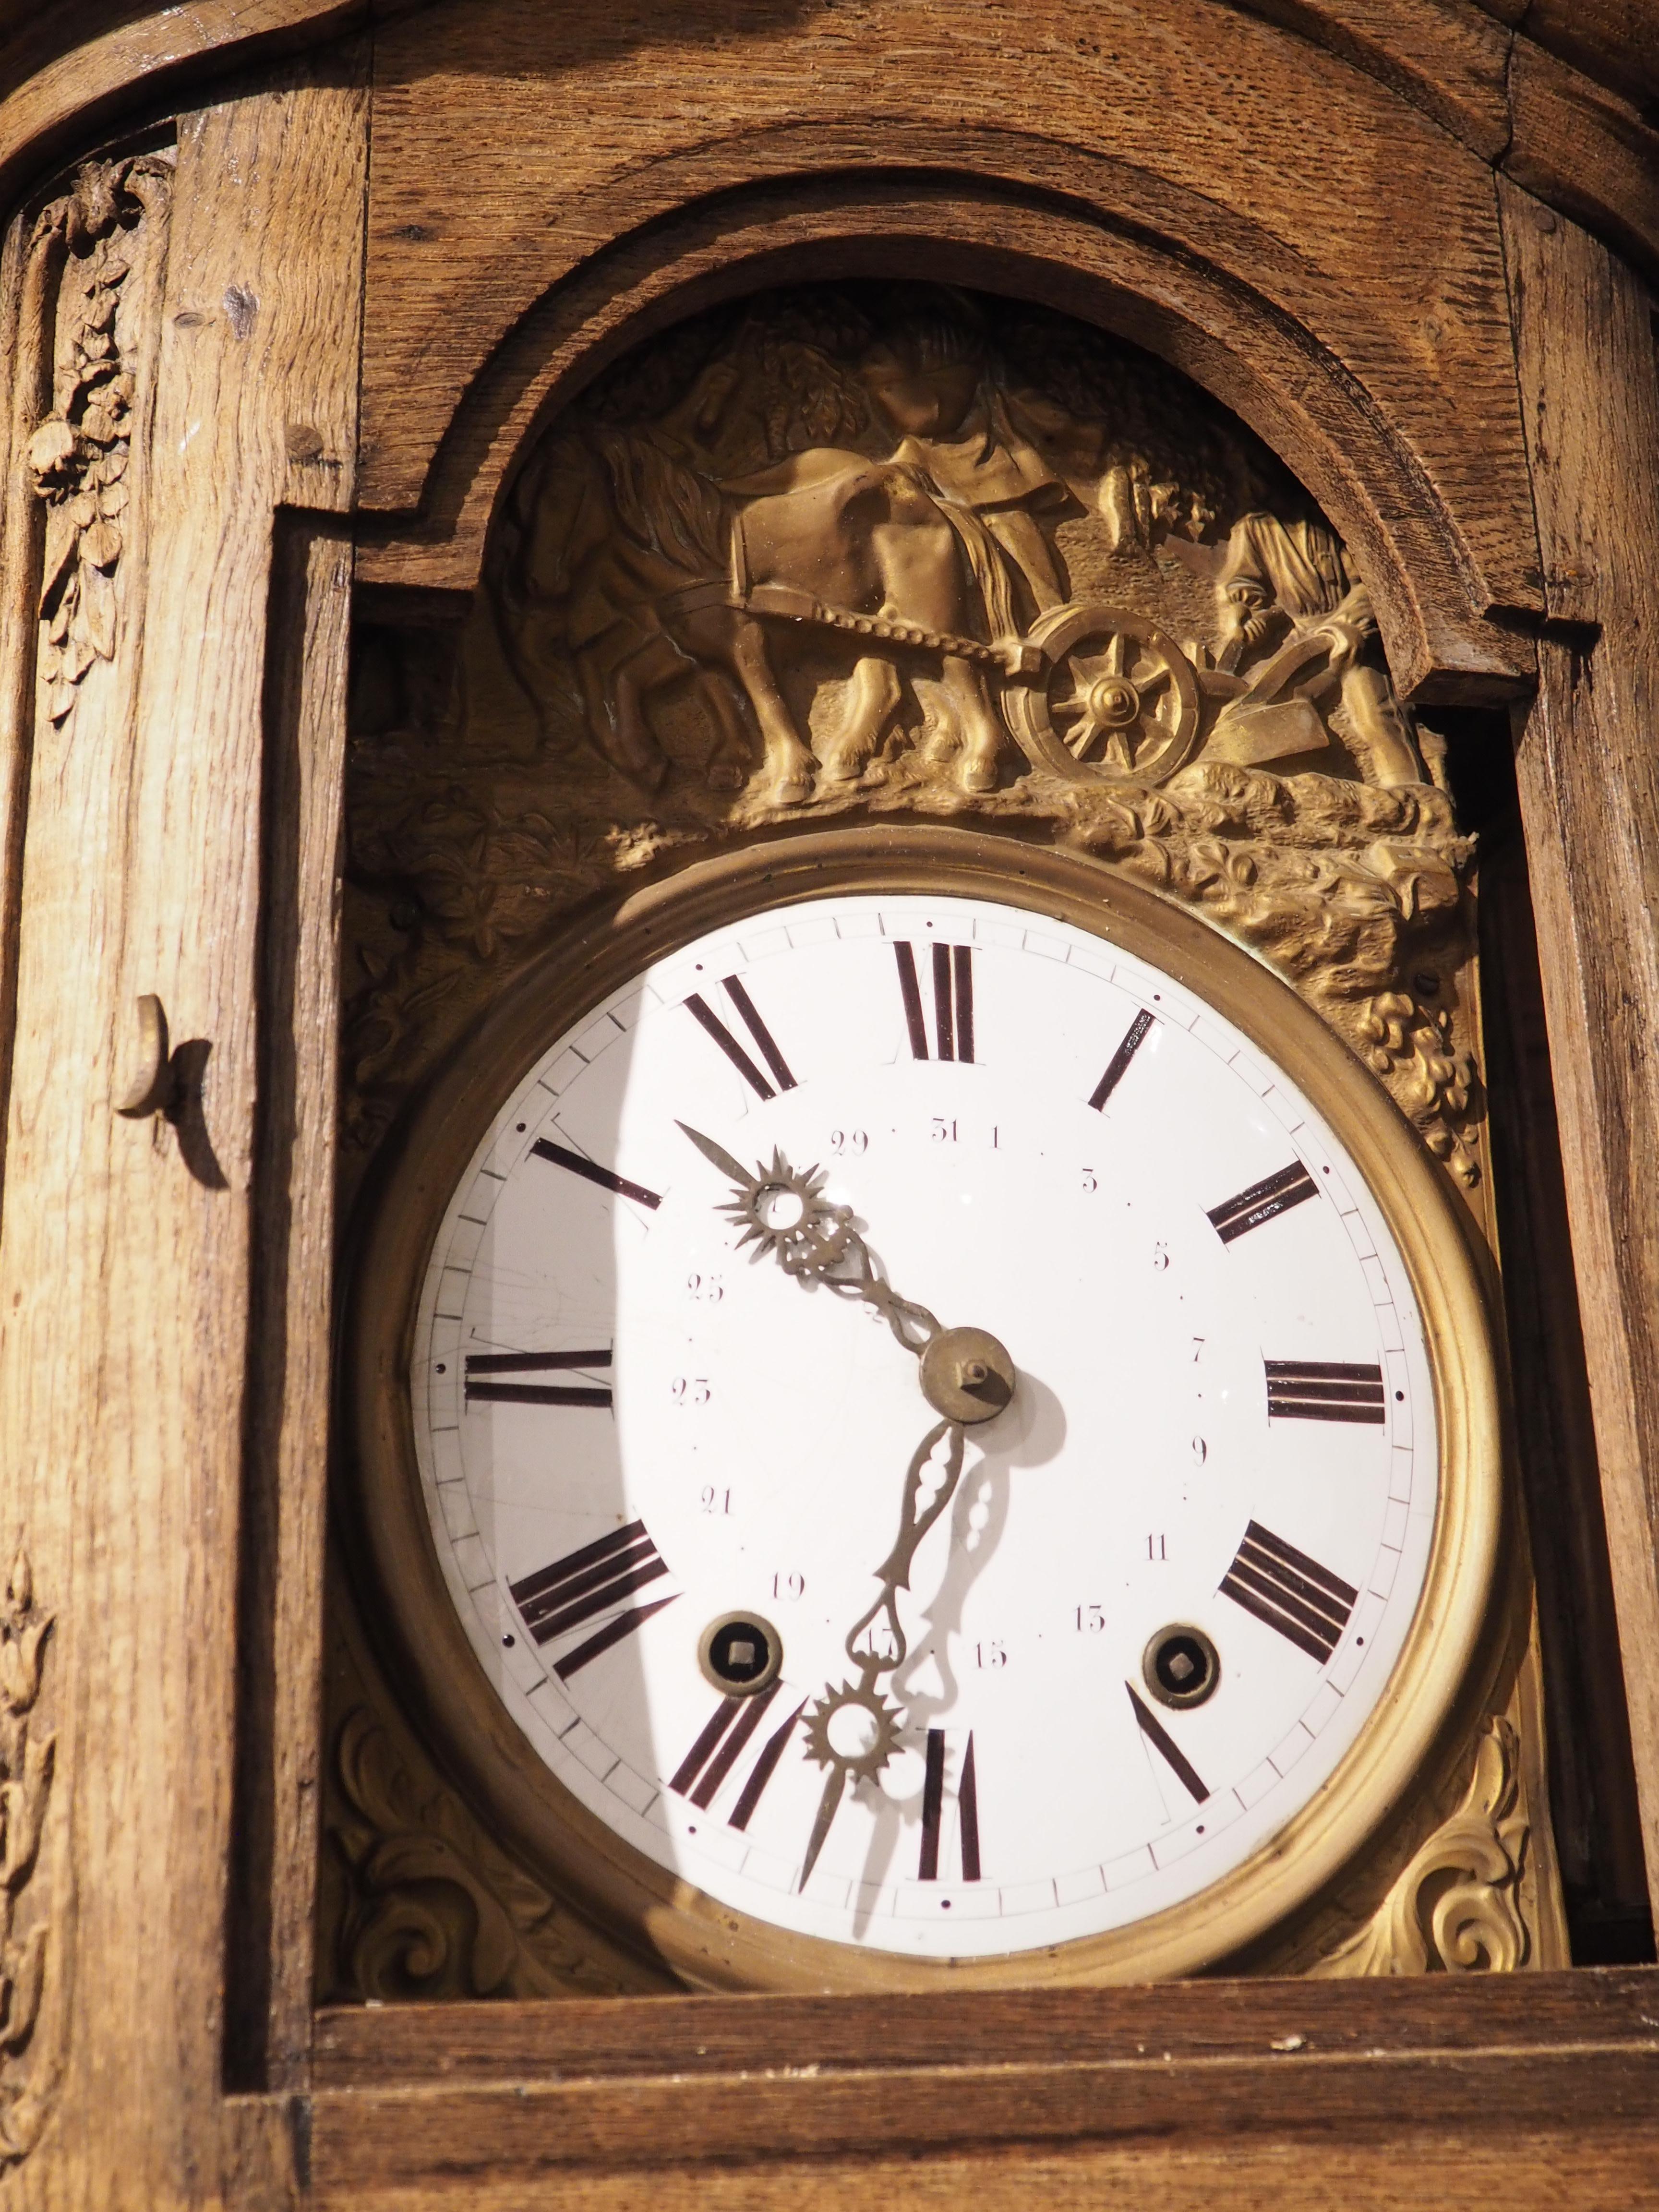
(878, 1716)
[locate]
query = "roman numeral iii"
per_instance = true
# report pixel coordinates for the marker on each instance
(952, 977)
(1324, 1391)
(587, 1582)
(1289, 1592)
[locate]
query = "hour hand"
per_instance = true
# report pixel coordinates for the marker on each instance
(782, 1210)
(716, 1155)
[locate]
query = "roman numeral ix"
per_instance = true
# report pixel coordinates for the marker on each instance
(482, 1369)
(932, 1810)
(1274, 1194)
(698, 1006)
(1289, 1592)
(953, 1000)
(718, 1749)
(1324, 1391)
(585, 1584)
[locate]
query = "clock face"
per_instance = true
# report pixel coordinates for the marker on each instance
(928, 1674)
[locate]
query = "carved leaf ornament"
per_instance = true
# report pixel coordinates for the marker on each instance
(438, 1909)
(1457, 1907)
(80, 453)
(26, 1774)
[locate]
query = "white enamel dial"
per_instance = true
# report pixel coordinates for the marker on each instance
(1171, 1578)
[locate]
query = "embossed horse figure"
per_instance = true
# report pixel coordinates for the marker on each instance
(645, 573)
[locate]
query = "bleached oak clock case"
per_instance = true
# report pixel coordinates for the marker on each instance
(1417, 254)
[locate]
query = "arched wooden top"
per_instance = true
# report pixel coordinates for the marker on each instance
(981, 229)
(1320, 253)
(1299, 210)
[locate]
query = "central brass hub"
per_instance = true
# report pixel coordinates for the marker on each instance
(967, 1374)
(1114, 703)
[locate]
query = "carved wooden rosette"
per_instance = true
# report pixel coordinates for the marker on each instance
(864, 554)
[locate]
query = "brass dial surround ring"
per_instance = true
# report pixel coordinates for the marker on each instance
(709, 1945)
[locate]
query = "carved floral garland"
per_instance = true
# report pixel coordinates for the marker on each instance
(79, 453)
(25, 1772)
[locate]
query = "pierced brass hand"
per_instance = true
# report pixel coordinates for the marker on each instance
(784, 1213)
(878, 1729)
(965, 1374)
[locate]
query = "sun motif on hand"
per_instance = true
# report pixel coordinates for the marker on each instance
(785, 1216)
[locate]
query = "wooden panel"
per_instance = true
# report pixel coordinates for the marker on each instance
(1586, 151)
(1588, 780)
(1592, 1796)
(1593, 2170)
(1447, 56)
(1617, 41)
(431, 2045)
(125, 1267)
(66, 68)
(512, 2092)
(279, 1606)
(512, 150)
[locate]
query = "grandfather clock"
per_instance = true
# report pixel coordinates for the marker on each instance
(827, 1290)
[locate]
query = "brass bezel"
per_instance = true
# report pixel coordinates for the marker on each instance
(709, 1944)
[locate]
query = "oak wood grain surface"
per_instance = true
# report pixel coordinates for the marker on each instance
(1416, 2169)
(413, 2102)
(431, 2045)
(126, 1262)
(511, 147)
(1589, 795)
(1594, 1820)
(1588, 152)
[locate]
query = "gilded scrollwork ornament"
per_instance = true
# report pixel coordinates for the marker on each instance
(1456, 1908)
(436, 1908)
